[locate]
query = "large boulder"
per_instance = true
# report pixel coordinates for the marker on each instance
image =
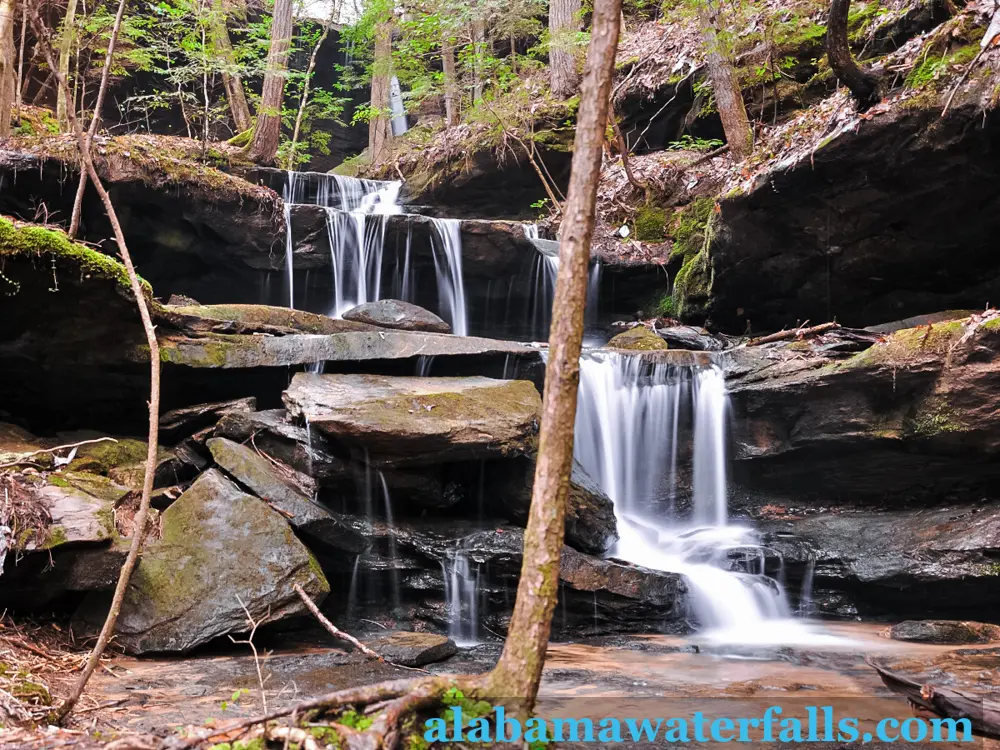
(413, 421)
(413, 649)
(261, 477)
(394, 313)
(639, 339)
(220, 550)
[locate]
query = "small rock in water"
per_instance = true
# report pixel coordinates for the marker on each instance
(639, 338)
(945, 631)
(394, 313)
(413, 649)
(182, 300)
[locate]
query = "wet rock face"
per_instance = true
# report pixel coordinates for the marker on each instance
(639, 338)
(417, 421)
(394, 313)
(838, 234)
(895, 563)
(218, 547)
(910, 419)
(595, 595)
(944, 631)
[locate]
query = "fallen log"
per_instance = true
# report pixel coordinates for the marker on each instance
(794, 333)
(983, 714)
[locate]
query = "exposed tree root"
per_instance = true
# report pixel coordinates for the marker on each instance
(396, 701)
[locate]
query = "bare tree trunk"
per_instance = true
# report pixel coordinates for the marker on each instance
(379, 126)
(267, 132)
(304, 100)
(520, 667)
(231, 80)
(728, 97)
(139, 528)
(451, 98)
(479, 51)
(8, 52)
(564, 23)
(64, 96)
(862, 84)
(74, 223)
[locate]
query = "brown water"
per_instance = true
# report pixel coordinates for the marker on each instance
(643, 676)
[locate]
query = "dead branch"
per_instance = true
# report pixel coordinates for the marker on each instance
(139, 293)
(333, 629)
(254, 624)
(65, 447)
(794, 333)
(961, 80)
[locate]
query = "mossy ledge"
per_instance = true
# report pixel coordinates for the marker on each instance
(18, 240)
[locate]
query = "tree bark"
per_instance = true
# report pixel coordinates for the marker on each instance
(379, 126)
(862, 84)
(74, 223)
(451, 99)
(564, 23)
(519, 670)
(304, 100)
(138, 292)
(20, 59)
(267, 132)
(231, 80)
(64, 96)
(728, 97)
(8, 63)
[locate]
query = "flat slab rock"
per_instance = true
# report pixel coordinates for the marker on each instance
(413, 649)
(944, 631)
(220, 549)
(394, 313)
(413, 421)
(242, 351)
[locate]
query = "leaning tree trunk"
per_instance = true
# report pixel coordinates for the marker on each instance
(63, 94)
(379, 126)
(862, 84)
(564, 23)
(8, 65)
(728, 97)
(520, 667)
(231, 80)
(267, 133)
(450, 80)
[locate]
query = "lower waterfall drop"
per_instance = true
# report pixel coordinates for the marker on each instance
(628, 426)
(446, 245)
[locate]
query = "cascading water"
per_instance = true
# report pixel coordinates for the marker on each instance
(461, 591)
(447, 247)
(628, 429)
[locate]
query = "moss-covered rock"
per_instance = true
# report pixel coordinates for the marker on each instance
(650, 224)
(639, 339)
(220, 550)
(417, 421)
(123, 460)
(261, 477)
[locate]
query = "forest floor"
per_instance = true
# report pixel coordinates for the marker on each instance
(134, 702)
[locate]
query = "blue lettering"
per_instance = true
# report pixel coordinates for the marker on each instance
(645, 729)
(722, 723)
(611, 730)
(437, 731)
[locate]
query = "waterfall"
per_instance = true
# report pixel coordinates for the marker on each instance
(447, 247)
(461, 591)
(629, 423)
(356, 224)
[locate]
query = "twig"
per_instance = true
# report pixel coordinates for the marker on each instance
(961, 80)
(64, 447)
(254, 624)
(331, 628)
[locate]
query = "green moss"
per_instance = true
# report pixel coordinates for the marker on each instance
(638, 339)
(930, 65)
(910, 345)
(34, 241)
(650, 224)
(665, 306)
(799, 35)
(101, 458)
(55, 536)
(58, 481)
(689, 235)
